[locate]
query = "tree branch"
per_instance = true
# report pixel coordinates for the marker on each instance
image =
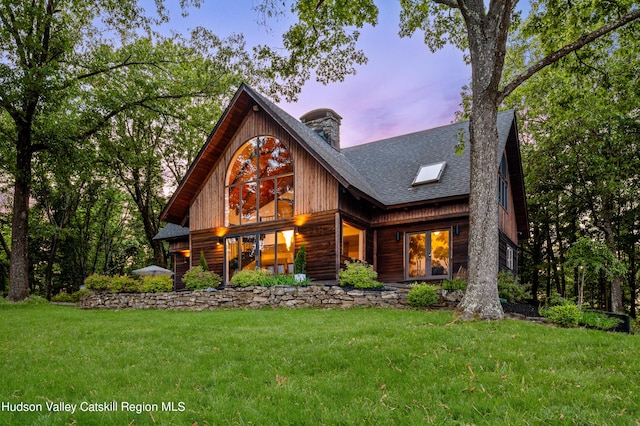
(564, 51)
(451, 3)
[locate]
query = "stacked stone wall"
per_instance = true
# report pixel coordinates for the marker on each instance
(249, 297)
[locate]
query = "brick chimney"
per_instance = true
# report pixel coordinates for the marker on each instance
(326, 123)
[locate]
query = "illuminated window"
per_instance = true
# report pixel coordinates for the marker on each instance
(259, 182)
(352, 241)
(428, 254)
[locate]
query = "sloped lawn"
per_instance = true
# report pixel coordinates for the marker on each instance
(359, 366)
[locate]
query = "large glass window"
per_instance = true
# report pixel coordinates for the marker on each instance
(271, 251)
(428, 254)
(352, 241)
(260, 182)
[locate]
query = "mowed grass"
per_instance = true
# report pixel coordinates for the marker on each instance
(331, 367)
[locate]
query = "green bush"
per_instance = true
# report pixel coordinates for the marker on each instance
(197, 278)
(567, 315)
(156, 284)
(300, 262)
(510, 290)
(599, 320)
(77, 296)
(253, 277)
(359, 275)
(124, 284)
(287, 280)
(422, 295)
(454, 284)
(97, 282)
(63, 297)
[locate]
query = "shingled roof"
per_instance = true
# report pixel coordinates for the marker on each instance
(391, 165)
(381, 172)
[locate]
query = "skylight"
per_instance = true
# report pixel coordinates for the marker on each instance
(429, 173)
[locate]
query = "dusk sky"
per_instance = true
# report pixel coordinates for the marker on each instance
(404, 88)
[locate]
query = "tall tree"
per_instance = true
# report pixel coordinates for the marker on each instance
(324, 39)
(68, 68)
(582, 115)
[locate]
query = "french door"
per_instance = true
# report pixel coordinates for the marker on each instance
(428, 255)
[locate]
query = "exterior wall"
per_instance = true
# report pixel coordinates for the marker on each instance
(391, 246)
(180, 262)
(315, 189)
(507, 219)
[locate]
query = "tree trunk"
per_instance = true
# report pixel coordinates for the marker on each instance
(487, 34)
(19, 267)
(610, 237)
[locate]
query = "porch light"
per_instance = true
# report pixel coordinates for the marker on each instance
(288, 236)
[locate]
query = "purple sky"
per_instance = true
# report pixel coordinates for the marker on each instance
(404, 88)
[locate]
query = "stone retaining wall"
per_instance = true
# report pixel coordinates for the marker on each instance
(318, 296)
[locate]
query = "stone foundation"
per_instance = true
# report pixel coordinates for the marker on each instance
(316, 296)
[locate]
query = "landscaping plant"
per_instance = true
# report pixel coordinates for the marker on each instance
(359, 275)
(422, 295)
(197, 278)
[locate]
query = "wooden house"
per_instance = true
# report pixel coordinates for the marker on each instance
(264, 183)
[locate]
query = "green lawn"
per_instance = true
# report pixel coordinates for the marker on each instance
(267, 367)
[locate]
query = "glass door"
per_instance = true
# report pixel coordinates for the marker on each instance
(428, 255)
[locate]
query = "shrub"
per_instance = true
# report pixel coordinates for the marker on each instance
(510, 290)
(288, 280)
(35, 300)
(359, 275)
(63, 297)
(252, 277)
(454, 284)
(124, 284)
(599, 320)
(567, 315)
(203, 261)
(422, 295)
(77, 296)
(300, 262)
(156, 284)
(196, 279)
(97, 282)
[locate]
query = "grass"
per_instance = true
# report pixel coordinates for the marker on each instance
(359, 366)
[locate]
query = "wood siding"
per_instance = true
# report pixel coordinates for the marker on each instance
(420, 214)
(316, 190)
(207, 242)
(391, 246)
(318, 232)
(507, 219)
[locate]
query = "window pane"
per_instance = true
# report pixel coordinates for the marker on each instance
(440, 253)
(267, 200)
(352, 241)
(417, 255)
(248, 255)
(233, 260)
(234, 203)
(249, 203)
(274, 158)
(286, 243)
(284, 192)
(244, 164)
(268, 252)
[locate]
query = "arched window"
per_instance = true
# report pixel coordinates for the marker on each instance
(259, 182)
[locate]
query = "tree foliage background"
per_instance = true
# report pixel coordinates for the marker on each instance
(100, 116)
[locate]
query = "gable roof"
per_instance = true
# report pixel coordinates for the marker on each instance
(392, 164)
(381, 172)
